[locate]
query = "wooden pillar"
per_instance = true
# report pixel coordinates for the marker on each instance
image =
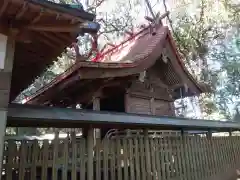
(91, 141)
(126, 102)
(152, 104)
(96, 104)
(90, 146)
(209, 134)
(7, 46)
(147, 155)
(96, 107)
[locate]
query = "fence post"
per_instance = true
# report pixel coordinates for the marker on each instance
(90, 146)
(147, 151)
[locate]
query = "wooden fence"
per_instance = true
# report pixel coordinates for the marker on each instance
(139, 157)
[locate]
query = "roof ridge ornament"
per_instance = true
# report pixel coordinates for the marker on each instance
(156, 22)
(158, 19)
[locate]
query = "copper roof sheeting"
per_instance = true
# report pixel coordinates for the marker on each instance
(42, 31)
(141, 52)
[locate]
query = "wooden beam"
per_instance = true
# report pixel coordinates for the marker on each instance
(37, 18)
(64, 37)
(54, 28)
(24, 37)
(15, 33)
(74, 21)
(52, 38)
(88, 27)
(45, 41)
(22, 11)
(4, 6)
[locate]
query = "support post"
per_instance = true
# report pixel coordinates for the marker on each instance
(90, 146)
(152, 104)
(7, 46)
(91, 140)
(209, 135)
(96, 107)
(148, 156)
(182, 132)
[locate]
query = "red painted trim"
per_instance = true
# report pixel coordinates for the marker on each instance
(99, 56)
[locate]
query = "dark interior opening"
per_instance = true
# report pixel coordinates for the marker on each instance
(87, 106)
(113, 101)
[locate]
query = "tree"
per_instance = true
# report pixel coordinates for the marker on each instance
(197, 35)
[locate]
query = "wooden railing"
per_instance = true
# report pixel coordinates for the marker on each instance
(135, 157)
(189, 150)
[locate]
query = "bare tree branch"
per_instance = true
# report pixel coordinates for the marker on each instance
(150, 9)
(97, 4)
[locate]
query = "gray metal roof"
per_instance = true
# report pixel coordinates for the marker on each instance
(36, 116)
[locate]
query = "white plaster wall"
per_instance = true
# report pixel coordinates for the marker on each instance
(3, 47)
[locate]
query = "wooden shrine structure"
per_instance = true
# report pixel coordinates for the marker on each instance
(129, 77)
(144, 72)
(126, 91)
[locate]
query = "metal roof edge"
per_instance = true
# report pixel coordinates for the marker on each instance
(57, 7)
(40, 116)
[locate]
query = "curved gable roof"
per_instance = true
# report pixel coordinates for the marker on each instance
(133, 56)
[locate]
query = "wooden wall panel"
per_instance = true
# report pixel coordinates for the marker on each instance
(155, 91)
(138, 105)
(152, 96)
(141, 105)
(163, 108)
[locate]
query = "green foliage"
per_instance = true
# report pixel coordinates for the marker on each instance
(210, 41)
(229, 90)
